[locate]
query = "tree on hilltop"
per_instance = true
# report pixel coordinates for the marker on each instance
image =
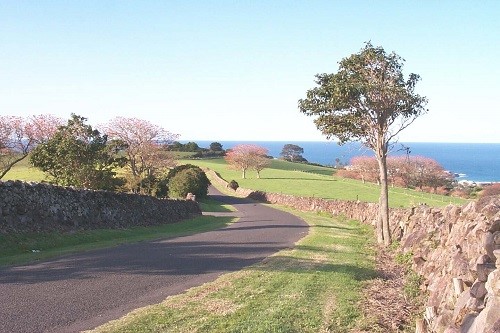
(292, 153)
(216, 146)
(367, 100)
(246, 156)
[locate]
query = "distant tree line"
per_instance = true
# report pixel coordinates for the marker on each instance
(125, 154)
(215, 149)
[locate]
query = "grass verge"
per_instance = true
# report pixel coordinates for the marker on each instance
(315, 287)
(28, 247)
(211, 205)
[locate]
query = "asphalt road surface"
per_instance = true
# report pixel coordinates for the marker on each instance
(82, 291)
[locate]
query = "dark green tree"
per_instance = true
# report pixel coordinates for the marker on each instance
(370, 101)
(292, 153)
(78, 155)
(191, 147)
(216, 146)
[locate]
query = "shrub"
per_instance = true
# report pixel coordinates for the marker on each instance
(233, 185)
(491, 190)
(188, 180)
(179, 168)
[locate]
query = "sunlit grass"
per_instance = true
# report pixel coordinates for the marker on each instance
(314, 287)
(311, 181)
(23, 170)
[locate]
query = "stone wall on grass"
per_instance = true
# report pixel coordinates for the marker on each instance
(39, 207)
(456, 250)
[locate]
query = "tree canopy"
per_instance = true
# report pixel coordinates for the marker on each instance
(247, 156)
(367, 100)
(18, 136)
(78, 155)
(146, 150)
(292, 153)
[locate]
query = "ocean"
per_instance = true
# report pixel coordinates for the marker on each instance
(478, 162)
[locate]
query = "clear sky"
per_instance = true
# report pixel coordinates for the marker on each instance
(234, 70)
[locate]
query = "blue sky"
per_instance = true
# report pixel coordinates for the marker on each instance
(234, 70)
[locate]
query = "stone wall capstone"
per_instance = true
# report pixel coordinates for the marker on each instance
(40, 207)
(456, 249)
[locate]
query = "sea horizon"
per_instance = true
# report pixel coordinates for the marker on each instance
(469, 161)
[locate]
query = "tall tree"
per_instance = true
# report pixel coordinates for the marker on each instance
(216, 146)
(78, 155)
(246, 156)
(146, 150)
(367, 100)
(292, 153)
(18, 136)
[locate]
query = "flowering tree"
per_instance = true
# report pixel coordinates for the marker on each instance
(415, 171)
(428, 172)
(18, 136)
(366, 167)
(145, 149)
(246, 156)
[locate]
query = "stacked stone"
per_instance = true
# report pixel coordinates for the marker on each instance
(39, 207)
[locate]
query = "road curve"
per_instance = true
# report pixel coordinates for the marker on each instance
(79, 292)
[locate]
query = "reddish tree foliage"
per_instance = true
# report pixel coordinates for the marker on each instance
(417, 171)
(246, 156)
(146, 149)
(491, 190)
(43, 127)
(429, 173)
(366, 167)
(19, 135)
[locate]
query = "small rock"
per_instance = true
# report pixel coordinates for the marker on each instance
(478, 290)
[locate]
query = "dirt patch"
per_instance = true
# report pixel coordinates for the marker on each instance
(386, 308)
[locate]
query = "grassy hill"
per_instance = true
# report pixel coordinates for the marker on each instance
(316, 181)
(289, 178)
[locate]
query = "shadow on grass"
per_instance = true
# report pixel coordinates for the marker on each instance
(332, 227)
(311, 266)
(313, 179)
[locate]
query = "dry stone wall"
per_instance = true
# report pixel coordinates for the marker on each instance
(37, 207)
(456, 249)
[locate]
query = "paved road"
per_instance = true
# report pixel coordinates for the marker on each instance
(79, 292)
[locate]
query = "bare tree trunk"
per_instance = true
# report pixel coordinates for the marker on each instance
(10, 164)
(384, 233)
(380, 223)
(244, 173)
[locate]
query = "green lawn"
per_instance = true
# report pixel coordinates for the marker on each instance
(24, 171)
(312, 181)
